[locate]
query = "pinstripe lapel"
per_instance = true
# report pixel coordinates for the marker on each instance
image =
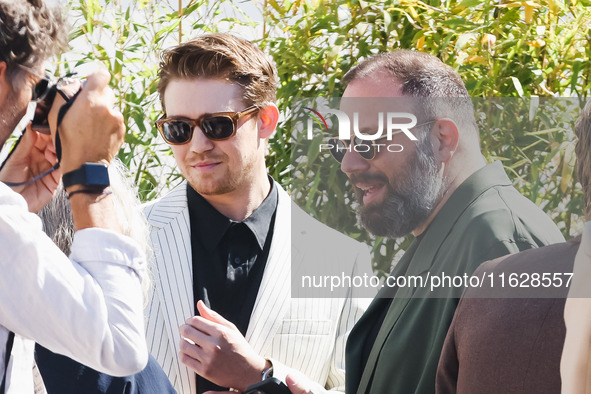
(272, 301)
(171, 240)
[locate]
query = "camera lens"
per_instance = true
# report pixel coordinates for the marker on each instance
(40, 122)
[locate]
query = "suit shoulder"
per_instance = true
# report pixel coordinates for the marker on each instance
(504, 214)
(552, 258)
(158, 210)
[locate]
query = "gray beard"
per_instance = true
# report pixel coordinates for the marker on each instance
(407, 207)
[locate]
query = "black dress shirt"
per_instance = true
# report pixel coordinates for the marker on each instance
(229, 259)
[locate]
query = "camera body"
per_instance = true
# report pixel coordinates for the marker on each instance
(40, 121)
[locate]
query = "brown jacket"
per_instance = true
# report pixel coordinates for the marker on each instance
(510, 345)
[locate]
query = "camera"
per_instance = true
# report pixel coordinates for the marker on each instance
(47, 91)
(40, 122)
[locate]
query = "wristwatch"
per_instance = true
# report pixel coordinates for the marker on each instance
(95, 175)
(267, 373)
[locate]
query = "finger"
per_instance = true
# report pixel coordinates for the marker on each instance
(192, 363)
(202, 324)
(97, 89)
(190, 350)
(27, 143)
(98, 80)
(296, 387)
(50, 156)
(51, 182)
(197, 336)
(45, 144)
(42, 141)
(212, 315)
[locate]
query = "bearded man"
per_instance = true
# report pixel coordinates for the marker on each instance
(461, 211)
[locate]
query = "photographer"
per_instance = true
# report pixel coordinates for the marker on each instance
(88, 307)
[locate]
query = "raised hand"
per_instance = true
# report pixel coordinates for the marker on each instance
(215, 349)
(34, 155)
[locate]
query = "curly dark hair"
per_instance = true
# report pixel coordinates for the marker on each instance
(30, 32)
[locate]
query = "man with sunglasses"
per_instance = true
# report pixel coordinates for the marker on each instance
(227, 239)
(461, 211)
(88, 307)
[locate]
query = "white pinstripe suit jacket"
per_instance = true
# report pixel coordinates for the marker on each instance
(305, 334)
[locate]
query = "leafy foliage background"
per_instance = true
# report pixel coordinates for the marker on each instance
(500, 48)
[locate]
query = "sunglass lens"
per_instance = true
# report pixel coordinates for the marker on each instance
(364, 148)
(337, 149)
(176, 132)
(40, 89)
(217, 127)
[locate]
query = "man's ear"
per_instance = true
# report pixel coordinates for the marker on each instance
(445, 137)
(267, 120)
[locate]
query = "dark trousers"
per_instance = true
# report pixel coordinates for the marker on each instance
(63, 375)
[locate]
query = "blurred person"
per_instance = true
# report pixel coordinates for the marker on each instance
(88, 306)
(439, 188)
(575, 365)
(511, 339)
(60, 374)
(227, 240)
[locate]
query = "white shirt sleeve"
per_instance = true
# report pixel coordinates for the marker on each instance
(89, 307)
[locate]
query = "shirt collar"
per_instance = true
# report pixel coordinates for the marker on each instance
(259, 222)
(211, 225)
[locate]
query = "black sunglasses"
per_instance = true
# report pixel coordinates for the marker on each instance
(216, 126)
(338, 148)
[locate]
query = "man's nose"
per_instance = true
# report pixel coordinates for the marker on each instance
(353, 162)
(199, 142)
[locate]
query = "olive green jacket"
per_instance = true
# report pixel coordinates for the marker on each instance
(485, 218)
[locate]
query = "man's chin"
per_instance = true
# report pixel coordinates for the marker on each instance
(373, 219)
(387, 220)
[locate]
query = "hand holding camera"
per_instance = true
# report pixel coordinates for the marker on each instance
(91, 130)
(34, 156)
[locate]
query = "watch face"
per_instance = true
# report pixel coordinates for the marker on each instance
(96, 174)
(90, 174)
